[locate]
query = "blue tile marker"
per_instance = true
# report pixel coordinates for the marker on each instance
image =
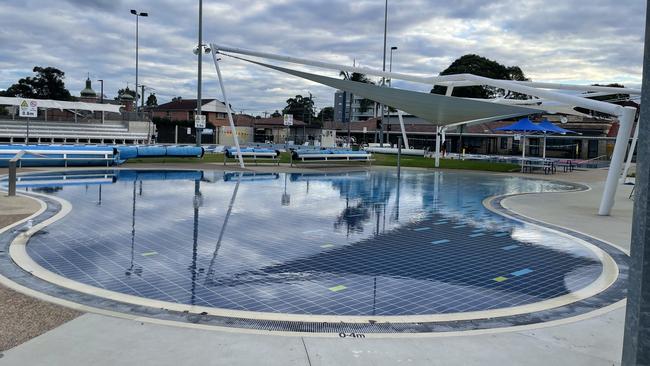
(422, 229)
(476, 235)
(443, 241)
(510, 247)
(522, 272)
(500, 235)
(458, 226)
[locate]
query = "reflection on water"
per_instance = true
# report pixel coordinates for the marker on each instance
(355, 243)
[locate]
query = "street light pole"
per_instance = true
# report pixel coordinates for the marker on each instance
(101, 96)
(198, 84)
(137, 30)
(383, 79)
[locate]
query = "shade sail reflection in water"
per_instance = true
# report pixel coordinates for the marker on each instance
(333, 244)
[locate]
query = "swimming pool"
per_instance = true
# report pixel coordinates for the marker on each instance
(353, 244)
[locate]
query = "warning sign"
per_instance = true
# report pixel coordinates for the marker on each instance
(28, 108)
(288, 119)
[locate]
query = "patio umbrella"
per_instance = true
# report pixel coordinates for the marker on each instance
(525, 126)
(551, 128)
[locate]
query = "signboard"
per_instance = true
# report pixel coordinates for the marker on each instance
(189, 131)
(365, 130)
(517, 137)
(199, 121)
(28, 108)
(288, 119)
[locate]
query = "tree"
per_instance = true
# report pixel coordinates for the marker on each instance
(302, 108)
(276, 114)
(128, 91)
(152, 101)
(177, 99)
(481, 66)
(326, 114)
(47, 84)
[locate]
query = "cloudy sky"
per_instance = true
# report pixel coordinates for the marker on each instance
(573, 41)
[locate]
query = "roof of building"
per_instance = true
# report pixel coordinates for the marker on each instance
(182, 105)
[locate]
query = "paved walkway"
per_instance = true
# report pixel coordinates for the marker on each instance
(23, 317)
(102, 340)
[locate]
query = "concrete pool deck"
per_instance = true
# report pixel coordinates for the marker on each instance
(105, 340)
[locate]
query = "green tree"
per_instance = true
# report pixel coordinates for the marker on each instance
(276, 114)
(326, 114)
(46, 84)
(481, 66)
(302, 108)
(152, 101)
(128, 91)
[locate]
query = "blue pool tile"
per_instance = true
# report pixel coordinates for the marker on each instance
(391, 261)
(522, 272)
(510, 247)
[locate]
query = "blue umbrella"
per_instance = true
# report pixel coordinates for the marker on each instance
(523, 125)
(551, 128)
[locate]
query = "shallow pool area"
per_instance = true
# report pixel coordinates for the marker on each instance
(350, 244)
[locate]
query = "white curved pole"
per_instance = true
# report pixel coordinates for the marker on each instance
(401, 125)
(616, 165)
(628, 163)
(225, 101)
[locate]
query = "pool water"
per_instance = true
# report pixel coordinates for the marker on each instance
(362, 243)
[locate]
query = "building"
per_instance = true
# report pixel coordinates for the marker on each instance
(595, 137)
(185, 110)
(342, 108)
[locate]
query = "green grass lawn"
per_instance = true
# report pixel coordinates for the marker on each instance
(379, 159)
(422, 162)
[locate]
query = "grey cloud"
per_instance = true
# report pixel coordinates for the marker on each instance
(573, 41)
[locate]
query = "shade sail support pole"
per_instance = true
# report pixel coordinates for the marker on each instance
(225, 100)
(630, 154)
(437, 154)
(626, 121)
(400, 116)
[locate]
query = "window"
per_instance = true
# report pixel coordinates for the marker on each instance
(504, 143)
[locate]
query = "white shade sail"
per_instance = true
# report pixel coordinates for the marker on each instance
(59, 104)
(438, 109)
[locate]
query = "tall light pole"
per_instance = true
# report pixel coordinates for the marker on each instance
(137, 17)
(390, 64)
(198, 84)
(383, 79)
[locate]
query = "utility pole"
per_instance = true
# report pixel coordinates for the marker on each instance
(198, 84)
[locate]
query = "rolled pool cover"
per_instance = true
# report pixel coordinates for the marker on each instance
(156, 151)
